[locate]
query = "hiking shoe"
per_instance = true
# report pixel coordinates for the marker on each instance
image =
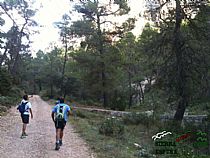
(24, 134)
(57, 146)
(60, 142)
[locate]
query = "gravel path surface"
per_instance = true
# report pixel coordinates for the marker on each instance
(41, 140)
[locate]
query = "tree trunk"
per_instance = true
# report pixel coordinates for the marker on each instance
(17, 50)
(141, 92)
(40, 85)
(15, 66)
(64, 94)
(105, 99)
(103, 76)
(64, 66)
(181, 77)
(130, 90)
(51, 80)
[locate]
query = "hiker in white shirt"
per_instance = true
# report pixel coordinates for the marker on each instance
(25, 114)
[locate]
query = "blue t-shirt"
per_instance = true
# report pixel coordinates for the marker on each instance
(66, 109)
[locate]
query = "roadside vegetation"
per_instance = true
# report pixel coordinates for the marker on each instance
(14, 53)
(9, 94)
(131, 136)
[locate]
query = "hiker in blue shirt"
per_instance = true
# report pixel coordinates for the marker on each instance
(60, 115)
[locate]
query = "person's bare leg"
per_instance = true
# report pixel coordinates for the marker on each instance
(24, 128)
(58, 131)
(57, 146)
(23, 135)
(61, 135)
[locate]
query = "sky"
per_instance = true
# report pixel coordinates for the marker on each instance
(50, 11)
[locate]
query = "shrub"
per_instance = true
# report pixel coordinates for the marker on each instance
(7, 101)
(91, 102)
(5, 82)
(118, 103)
(80, 114)
(3, 109)
(45, 95)
(136, 119)
(16, 92)
(112, 127)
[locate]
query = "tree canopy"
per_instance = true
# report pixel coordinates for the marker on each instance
(166, 65)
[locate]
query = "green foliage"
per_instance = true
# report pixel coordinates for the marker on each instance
(112, 127)
(9, 93)
(90, 102)
(110, 146)
(137, 118)
(14, 56)
(86, 114)
(199, 107)
(8, 101)
(81, 114)
(44, 94)
(14, 50)
(118, 102)
(139, 71)
(176, 61)
(5, 82)
(155, 99)
(16, 92)
(99, 61)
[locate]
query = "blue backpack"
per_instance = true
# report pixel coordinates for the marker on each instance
(21, 107)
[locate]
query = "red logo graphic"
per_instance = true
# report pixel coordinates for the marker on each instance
(183, 137)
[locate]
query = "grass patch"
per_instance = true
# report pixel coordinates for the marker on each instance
(109, 137)
(128, 137)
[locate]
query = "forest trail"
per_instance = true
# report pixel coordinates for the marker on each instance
(40, 142)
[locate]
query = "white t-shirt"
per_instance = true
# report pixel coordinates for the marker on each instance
(27, 107)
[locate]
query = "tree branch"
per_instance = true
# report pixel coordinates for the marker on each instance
(5, 11)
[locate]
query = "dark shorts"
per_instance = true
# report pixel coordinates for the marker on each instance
(25, 118)
(60, 124)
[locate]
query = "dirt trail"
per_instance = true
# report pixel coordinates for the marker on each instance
(41, 140)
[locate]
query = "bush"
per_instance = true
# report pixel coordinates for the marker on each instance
(5, 82)
(3, 109)
(7, 101)
(112, 127)
(136, 119)
(44, 95)
(16, 92)
(118, 103)
(80, 114)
